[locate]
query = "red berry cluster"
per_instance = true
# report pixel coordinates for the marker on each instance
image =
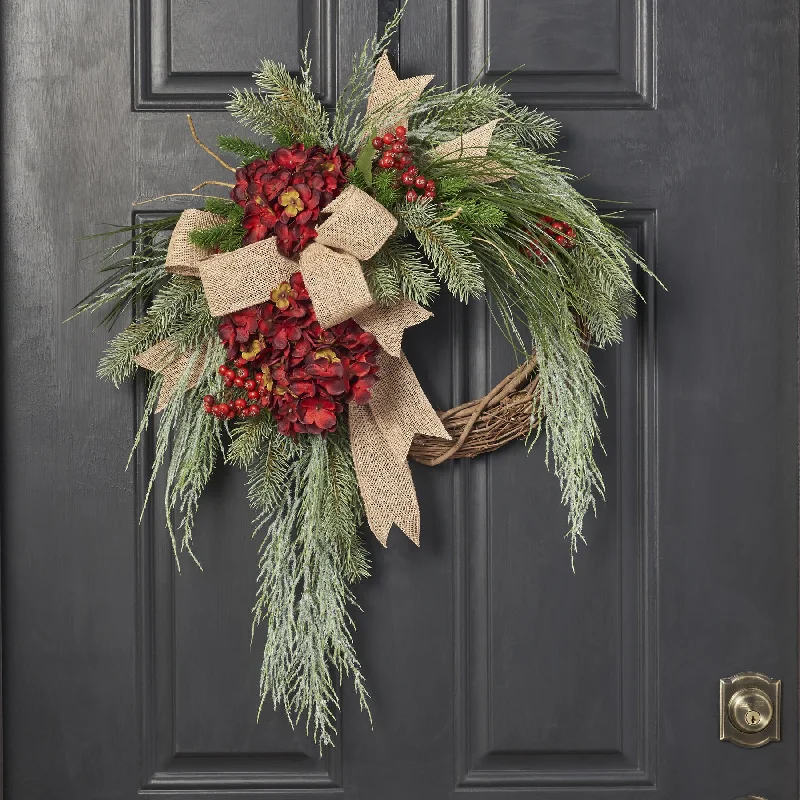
(284, 361)
(561, 233)
(283, 195)
(396, 155)
(238, 407)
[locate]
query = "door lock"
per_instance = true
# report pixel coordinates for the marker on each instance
(749, 709)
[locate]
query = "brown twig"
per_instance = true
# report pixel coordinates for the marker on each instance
(212, 183)
(452, 216)
(174, 194)
(207, 149)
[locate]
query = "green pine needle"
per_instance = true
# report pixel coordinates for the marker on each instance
(451, 256)
(246, 150)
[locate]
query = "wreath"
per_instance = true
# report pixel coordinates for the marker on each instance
(271, 321)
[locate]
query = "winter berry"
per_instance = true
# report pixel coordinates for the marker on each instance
(250, 385)
(386, 161)
(400, 130)
(224, 408)
(238, 383)
(430, 193)
(240, 362)
(413, 170)
(253, 411)
(253, 395)
(420, 181)
(558, 226)
(398, 147)
(562, 241)
(243, 372)
(223, 370)
(407, 179)
(208, 400)
(388, 138)
(227, 383)
(430, 185)
(411, 196)
(406, 159)
(377, 142)
(240, 402)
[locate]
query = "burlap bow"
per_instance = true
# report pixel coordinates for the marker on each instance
(357, 226)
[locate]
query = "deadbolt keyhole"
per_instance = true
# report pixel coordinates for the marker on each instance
(752, 718)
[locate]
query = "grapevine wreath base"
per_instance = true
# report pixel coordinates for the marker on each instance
(270, 326)
(484, 425)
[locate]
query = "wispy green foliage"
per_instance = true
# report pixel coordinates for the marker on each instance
(442, 114)
(226, 236)
(223, 207)
(134, 268)
(246, 150)
(311, 509)
(474, 214)
(173, 313)
(386, 189)
(543, 302)
(398, 270)
(188, 440)
(451, 256)
(284, 108)
(349, 124)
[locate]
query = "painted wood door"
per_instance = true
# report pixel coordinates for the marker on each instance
(495, 672)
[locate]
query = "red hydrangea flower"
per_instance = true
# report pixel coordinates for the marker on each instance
(303, 374)
(283, 195)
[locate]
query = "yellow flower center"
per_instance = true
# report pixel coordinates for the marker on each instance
(255, 348)
(291, 202)
(327, 352)
(281, 295)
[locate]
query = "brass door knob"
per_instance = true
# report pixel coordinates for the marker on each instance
(749, 709)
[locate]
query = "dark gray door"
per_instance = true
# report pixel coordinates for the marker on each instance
(495, 672)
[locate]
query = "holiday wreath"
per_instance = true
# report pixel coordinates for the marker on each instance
(271, 326)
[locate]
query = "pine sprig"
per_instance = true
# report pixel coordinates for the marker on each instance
(442, 114)
(174, 310)
(134, 269)
(451, 256)
(349, 124)
(397, 270)
(246, 150)
(284, 108)
(309, 556)
(189, 439)
(385, 188)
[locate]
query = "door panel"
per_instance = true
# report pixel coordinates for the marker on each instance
(495, 672)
